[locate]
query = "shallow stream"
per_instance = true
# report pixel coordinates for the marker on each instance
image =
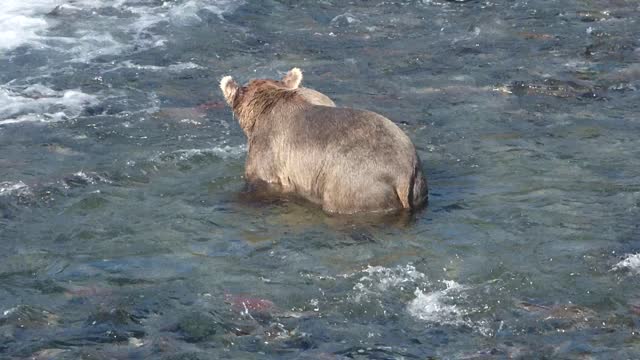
(124, 233)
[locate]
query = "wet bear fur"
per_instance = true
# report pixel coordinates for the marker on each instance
(346, 160)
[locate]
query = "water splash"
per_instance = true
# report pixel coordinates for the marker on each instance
(435, 306)
(631, 262)
(8, 188)
(379, 279)
(223, 152)
(27, 23)
(38, 103)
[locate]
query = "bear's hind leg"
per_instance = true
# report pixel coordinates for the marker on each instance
(374, 197)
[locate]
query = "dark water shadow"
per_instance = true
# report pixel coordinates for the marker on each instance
(264, 196)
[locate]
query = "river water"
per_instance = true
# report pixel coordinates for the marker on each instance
(125, 233)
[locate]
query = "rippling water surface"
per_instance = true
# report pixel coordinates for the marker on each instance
(125, 233)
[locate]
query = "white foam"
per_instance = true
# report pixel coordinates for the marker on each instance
(8, 188)
(434, 306)
(23, 21)
(223, 152)
(191, 122)
(631, 262)
(444, 302)
(173, 67)
(40, 103)
(26, 22)
(343, 20)
(91, 44)
(187, 13)
(9, 311)
(80, 31)
(219, 151)
(378, 279)
(91, 178)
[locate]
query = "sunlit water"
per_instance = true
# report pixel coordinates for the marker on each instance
(125, 233)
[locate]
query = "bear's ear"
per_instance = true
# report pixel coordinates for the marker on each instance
(293, 78)
(229, 89)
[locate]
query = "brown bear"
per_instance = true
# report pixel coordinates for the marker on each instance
(346, 160)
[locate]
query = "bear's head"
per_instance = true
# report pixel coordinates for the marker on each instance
(253, 99)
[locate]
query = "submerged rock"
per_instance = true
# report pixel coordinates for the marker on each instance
(635, 308)
(115, 316)
(536, 36)
(181, 113)
(499, 352)
(27, 317)
(62, 150)
(246, 304)
(211, 105)
(199, 326)
(561, 315)
(89, 203)
(264, 308)
(82, 178)
(344, 20)
(47, 354)
(552, 87)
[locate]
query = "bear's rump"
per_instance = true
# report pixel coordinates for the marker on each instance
(346, 160)
(361, 195)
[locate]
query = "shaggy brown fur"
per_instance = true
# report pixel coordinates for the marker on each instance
(346, 160)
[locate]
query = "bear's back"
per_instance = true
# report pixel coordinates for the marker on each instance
(347, 128)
